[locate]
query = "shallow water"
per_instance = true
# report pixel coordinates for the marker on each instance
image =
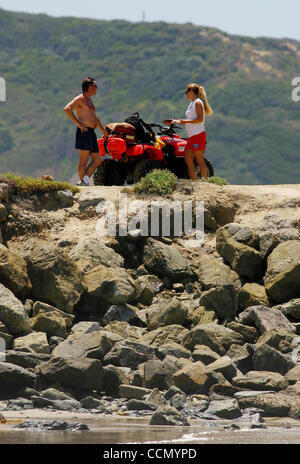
(113, 430)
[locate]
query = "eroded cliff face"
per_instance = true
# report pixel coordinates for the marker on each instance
(127, 308)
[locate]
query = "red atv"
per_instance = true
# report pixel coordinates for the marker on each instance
(133, 150)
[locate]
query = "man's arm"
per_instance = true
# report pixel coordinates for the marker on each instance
(69, 110)
(99, 124)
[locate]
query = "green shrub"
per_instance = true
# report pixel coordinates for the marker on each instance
(215, 180)
(32, 185)
(157, 181)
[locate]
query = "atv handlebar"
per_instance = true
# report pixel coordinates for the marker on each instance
(165, 130)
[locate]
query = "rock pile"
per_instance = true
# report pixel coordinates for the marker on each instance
(172, 337)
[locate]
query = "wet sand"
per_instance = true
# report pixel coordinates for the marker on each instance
(117, 429)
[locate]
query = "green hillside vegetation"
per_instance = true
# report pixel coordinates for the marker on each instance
(253, 135)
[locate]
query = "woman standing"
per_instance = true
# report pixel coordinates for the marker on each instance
(195, 129)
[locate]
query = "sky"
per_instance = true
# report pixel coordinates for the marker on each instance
(255, 18)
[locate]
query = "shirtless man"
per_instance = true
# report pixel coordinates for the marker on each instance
(86, 122)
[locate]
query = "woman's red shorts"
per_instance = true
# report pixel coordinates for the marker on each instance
(197, 142)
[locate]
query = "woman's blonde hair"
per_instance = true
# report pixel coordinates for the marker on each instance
(200, 92)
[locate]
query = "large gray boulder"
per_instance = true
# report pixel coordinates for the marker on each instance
(213, 272)
(73, 372)
(107, 286)
(268, 358)
(290, 309)
(252, 294)
(171, 333)
(128, 354)
(265, 319)
(193, 378)
(13, 273)
(164, 313)
(282, 279)
(216, 337)
(35, 342)
(222, 300)
(165, 261)
(54, 276)
(225, 365)
(158, 374)
(261, 380)
(236, 244)
(147, 287)
(13, 378)
(12, 312)
(225, 409)
(166, 415)
(91, 345)
(91, 252)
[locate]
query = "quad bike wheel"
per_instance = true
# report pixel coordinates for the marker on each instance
(143, 167)
(210, 169)
(109, 172)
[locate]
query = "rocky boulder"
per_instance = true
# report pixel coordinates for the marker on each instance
(35, 342)
(225, 409)
(107, 286)
(91, 252)
(147, 287)
(268, 358)
(12, 312)
(265, 319)
(72, 372)
(91, 345)
(171, 333)
(282, 279)
(158, 374)
(13, 378)
(166, 415)
(216, 337)
(236, 245)
(261, 380)
(54, 276)
(281, 339)
(165, 261)
(222, 300)
(128, 354)
(252, 294)
(13, 273)
(290, 309)
(52, 323)
(165, 313)
(193, 378)
(173, 349)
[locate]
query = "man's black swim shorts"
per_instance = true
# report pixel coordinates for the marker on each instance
(86, 140)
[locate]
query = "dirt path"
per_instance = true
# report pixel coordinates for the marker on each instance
(266, 208)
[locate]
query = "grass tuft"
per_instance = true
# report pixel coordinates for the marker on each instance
(157, 181)
(31, 185)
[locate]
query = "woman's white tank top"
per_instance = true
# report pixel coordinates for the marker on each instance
(194, 129)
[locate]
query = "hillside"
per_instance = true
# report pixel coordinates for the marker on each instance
(253, 136)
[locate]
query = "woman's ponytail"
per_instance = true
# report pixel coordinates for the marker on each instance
(202, 96)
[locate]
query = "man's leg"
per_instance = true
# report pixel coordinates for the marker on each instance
(96, 161)
(83, 160)
(199, 155)
(189, 159)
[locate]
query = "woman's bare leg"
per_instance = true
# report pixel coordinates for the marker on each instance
(199, 155)
(189, 159)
